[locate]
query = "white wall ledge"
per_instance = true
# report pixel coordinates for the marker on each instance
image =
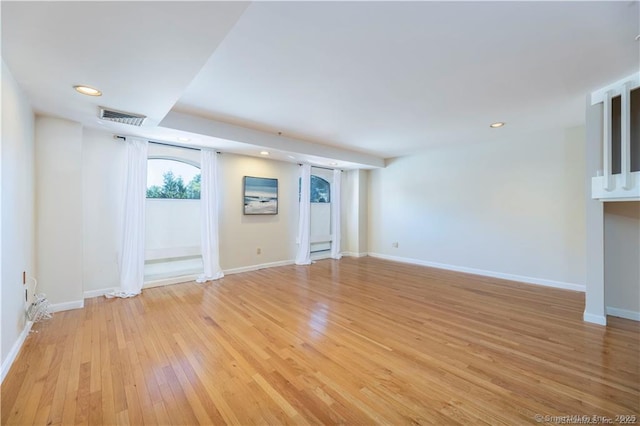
(617, 192)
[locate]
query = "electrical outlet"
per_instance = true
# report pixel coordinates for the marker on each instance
(258, 250)
(394, 245)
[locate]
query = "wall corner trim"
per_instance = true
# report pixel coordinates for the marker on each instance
(595, 319)
(623, 313)
(15, 349)
(492, 274)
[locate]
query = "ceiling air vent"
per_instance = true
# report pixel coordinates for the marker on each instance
(122, 117)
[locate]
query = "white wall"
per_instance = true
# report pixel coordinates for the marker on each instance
(363, 211)
(622, 258)
(241, 235)
(103, 168)
(172, 223)
(17, 224)
(58, 154)
(349, 214)
(354, 212)
(510, 207)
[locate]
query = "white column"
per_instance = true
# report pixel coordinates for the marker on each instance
(594, 301)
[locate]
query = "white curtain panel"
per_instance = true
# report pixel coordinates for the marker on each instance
(209, 216)
(303, 256)
(133, 230)
(336, 208)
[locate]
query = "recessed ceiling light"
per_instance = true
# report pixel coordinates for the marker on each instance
(184, 139)
(264, 152)
(291, 156)
(86, 90)
(497, 124)
(333, 164)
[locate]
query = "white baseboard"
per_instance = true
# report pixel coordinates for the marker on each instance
(623, 313)
(67, 306)
(97, 293)
(187, 278)
(511, 277)
(595, 319)
(149, 284)
(15, 349)
(257, 267)
(353, 254)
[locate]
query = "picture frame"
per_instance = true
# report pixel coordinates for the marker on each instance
(260, 195)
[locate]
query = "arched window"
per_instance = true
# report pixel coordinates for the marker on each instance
(320, 190)
(172, 179)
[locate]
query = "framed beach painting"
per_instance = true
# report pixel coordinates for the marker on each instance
(260, 195)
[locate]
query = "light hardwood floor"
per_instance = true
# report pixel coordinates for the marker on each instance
(357, 341)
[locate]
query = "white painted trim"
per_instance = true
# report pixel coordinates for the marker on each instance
(222, 130)
(511, 277)
(321, 255)
(149, 284)
(257, 267)
(616, 88)
(15, 349)
(189, 278)
(172, 253)
(606, 141)
(623, 313)
(595, 319)
(67, 306)
(353, 254)
(617, 192)
(170, 281)
(317, 239)
(625, 135)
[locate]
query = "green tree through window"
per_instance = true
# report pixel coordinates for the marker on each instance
(173, 185)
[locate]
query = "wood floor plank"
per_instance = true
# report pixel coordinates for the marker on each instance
(355, 341)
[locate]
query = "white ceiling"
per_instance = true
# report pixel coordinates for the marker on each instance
(350, 82)
(141, 55)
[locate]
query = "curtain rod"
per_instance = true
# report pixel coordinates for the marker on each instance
(165, 144)
(323, 168)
